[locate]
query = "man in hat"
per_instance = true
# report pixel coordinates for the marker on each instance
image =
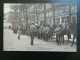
(32, 32)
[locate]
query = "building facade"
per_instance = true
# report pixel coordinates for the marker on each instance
(54, 13)
(51, 13)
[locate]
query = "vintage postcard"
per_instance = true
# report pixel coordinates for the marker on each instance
(40, 27)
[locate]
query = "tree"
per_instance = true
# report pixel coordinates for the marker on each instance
(36, 13)
(69, 21)
(45, 13)
(53, 11)
(18, 10)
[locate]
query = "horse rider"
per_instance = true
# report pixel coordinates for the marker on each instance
(32, 32)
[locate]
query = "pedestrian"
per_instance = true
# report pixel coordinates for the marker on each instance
(19, 32)
(32, 32)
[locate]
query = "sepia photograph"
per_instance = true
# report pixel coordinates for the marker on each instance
(44, 27)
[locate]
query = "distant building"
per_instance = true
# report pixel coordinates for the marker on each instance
(63, 13)
(51, 13)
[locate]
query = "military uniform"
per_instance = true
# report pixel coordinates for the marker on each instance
(19, 32)
(32, 32)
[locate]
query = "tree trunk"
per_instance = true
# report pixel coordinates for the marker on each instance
(69, 21)
(53, 11)
(45, 13)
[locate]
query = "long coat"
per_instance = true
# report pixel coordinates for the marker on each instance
(32, 29)
(19, 32)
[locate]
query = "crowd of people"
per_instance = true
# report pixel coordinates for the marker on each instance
(45, 31)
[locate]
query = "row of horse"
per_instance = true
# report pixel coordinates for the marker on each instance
(46, 32)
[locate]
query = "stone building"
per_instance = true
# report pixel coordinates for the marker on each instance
(53, 13)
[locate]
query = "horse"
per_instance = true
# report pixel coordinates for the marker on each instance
(52, 30)
(66, 30)
(40, 34)
(45, 32)
(59, 34)
(24, 30)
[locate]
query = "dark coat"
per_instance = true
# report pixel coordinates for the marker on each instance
(33, 29)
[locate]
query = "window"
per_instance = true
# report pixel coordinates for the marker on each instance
(72, 8)
(48, 6)
(66, 9)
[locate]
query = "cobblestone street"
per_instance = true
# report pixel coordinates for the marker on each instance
(11, 43)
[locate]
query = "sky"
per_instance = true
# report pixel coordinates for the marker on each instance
(6, 8)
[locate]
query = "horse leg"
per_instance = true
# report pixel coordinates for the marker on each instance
(68, 37)
(63, 39)
(47, 37)
(59, 40)
(56, 38)
(73, 40)
(38, 35)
